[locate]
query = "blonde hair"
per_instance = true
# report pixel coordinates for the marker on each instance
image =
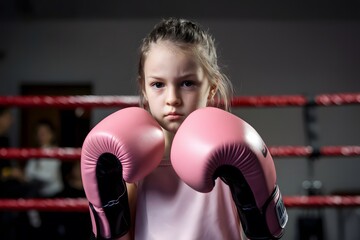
(189, 35)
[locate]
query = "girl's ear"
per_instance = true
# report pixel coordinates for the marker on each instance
(211, 96)
(212, 93)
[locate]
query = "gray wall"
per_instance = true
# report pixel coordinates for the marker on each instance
(261, 57)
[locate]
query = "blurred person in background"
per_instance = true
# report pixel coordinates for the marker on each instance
(44, 178)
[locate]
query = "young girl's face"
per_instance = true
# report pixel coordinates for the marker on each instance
(44, 135)
(174, 84)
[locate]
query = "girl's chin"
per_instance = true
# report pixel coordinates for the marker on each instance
(172, 127)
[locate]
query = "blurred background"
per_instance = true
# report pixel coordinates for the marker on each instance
(78, 47)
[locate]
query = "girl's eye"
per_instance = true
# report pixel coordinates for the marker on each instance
(157, 84)
(187, 83)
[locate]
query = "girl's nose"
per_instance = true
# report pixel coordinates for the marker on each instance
(173, 97)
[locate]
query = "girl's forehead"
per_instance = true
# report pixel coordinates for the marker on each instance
(175, 47)
(164, 56)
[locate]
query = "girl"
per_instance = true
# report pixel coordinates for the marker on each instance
(44, 179)
(45, 173)
(178, 73)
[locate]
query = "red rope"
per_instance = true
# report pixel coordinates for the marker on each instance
(81, 204)
(340, 151)
(26, 153)
(321, 201)
(60, 204)
(268, 101)
(92, 101)
(337, 99)
(280, 151)
(70, 101)
(306, 151)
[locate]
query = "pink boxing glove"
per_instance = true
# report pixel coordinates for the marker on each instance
(125, 146)
(213, 143)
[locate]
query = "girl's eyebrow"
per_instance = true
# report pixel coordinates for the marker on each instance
(188, 75)
(191, 75)
(154, 77)
(181, 77)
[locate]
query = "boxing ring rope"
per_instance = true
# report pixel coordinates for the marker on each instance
(81, 204)
(128, 101)
(279, 151)
(73, 154)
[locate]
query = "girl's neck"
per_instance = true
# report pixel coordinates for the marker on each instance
(169, 136)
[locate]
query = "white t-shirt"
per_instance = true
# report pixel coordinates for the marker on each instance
(167, 208)
(47, 171)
